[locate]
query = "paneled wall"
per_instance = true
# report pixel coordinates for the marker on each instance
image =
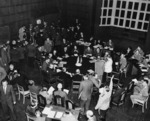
(121, 37)
(16, 13)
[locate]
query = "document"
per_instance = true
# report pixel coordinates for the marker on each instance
(46, 110)
(59, 115)
(65, 90)
(51, 114)
(50, 91)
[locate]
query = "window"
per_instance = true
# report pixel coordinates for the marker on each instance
(132, 14)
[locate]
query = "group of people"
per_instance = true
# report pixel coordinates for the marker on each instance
(52, 45)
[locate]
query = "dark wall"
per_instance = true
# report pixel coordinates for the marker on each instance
(121, 37)
(81, 9)
(16, 13)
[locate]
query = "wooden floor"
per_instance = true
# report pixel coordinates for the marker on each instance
(122, 113)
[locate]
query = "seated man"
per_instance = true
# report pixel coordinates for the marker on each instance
(138, 86)
(60, 92)
(141, 94)
(45, 94)
(77, 76)
(34, 88)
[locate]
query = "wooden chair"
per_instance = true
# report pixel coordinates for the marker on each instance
(33, 98)
(41, 102)
(75, 87)
(143, 103)
(23, 93)
(30, 118)
(70, 105)
(59, 101)
(130, 87)
(121, 99)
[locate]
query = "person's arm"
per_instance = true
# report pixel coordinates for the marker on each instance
(3, 75)
(111, 84)
(13, 95)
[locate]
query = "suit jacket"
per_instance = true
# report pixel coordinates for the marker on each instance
(86, 89)
(34, 88)
(9, 97)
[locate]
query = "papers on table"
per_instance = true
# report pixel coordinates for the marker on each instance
(50, 91)
(65, 90)
(90, 71)
(46, 110)
(51, 114)
(59, 115)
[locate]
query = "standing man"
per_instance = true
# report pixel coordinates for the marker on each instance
(8, 99)
(85, 93)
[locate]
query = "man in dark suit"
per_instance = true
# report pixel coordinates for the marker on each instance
(77, 76)
(8, 100)
(31, 53)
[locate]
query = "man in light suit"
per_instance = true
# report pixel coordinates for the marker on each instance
(142, 94)
(8, 100)
(85, 93)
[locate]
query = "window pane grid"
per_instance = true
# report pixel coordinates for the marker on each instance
(126, 14)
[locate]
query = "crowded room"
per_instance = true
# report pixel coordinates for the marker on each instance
(74, 60)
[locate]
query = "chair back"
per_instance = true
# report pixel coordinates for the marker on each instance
(58, 100)
(130, 86)
(30, 118)
(122, 97)
(70, 104)
(41, 101)
(33, 98)
(20, 88)
(75, 86)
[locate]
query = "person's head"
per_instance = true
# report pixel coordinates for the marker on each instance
(50, 55)
(65, 48)
(107, 88)
(4, 83)
(89, 114)
(54, 51)
(110, 41)
(64, 40)
(75, 47)
(98, 49)
(122, 55)
(31, 82)
(47, 60)
(88, 48)
(37, 113)
(78, 71)
(11, 66)
(59, 86)
(64, 69)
